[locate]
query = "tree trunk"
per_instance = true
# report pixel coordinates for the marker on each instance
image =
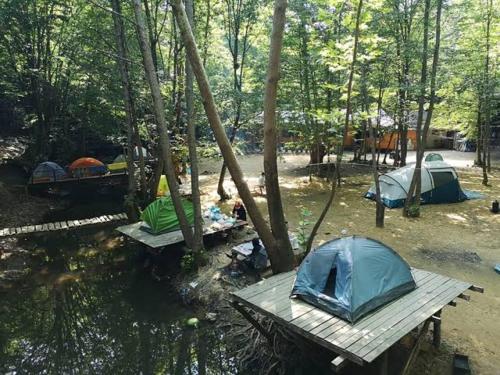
(277, 263)
(193, 157)
(338, 162)
(479, 140)
(486, 94)
(130, 201)
(380, 208)
(142, 163)
(159, 111)
(274, 203)
(414, 192)
(223, 195)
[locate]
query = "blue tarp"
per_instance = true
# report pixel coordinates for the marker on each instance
(350, 277)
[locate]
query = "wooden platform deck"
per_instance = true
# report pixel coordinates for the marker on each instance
(61, 225)
(368, 338)
(156, 241)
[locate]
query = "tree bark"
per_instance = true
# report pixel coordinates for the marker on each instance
(277, 264)
(380, 208)
(159, 111)
(274, 203)
(417, 173)
(338, 162)
(479, 158)
(486, 95)
(193, 156)
(130, 202)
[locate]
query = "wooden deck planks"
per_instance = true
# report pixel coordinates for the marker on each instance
(60, 225)
(379, 318)
(355, 341)
(376, 348)
(135, 232)
(368, 338)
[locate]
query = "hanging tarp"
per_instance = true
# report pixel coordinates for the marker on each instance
(350, 277)
(160, 215)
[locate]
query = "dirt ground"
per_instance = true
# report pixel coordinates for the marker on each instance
(458, 240)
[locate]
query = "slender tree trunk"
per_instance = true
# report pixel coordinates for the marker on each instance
(486, 94)
(380, 208)
(130, 202)
(207, 32)
(414, 192)
(142, 163)
(274, 202)
(159, 111)
(338, 162)
(479, 142)
(432, 101)
(277, 263)
(193, 157)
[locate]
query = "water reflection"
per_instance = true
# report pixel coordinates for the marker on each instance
(92, 312)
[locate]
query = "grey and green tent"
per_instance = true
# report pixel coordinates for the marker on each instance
(160, 215)
(350, 277)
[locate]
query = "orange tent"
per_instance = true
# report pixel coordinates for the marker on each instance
(84, 167)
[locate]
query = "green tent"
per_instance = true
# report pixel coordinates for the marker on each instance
(161, 217)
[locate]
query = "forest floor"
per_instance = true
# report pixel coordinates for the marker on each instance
(458, 240)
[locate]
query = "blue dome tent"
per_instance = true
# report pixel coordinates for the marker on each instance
(352, 276)
(48, 172)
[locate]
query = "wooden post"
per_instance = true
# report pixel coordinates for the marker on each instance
(416, 347)
(384, 363)
(252, 321)
(436, 325)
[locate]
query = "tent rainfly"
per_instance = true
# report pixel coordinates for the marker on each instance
(352, 276)
(48, 172)
(160, 215)
(85, 167)
(439, 185)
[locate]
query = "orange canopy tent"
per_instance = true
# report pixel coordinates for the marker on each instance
(85, 167)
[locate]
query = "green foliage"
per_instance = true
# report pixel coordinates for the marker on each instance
(59, 79)
(188, 264)
(414, 210)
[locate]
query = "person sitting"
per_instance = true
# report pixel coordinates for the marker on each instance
(239, 211)
(258, 257)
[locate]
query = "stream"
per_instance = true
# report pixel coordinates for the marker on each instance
(89, 307)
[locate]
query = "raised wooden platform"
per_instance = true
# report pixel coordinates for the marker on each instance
(160, 240)
(60, 225)
(368, 338)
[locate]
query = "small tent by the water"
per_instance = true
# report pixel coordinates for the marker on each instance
(162, 189)
(119, 164)
(47, 172)
(160, 215)
(352, 276)
(439, 185)
(86, 167)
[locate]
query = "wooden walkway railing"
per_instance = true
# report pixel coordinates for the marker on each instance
(60, 225)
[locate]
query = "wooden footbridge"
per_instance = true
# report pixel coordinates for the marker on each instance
(367, 339)
(62, 225)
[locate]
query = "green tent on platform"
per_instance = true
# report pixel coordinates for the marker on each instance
(161, 217)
